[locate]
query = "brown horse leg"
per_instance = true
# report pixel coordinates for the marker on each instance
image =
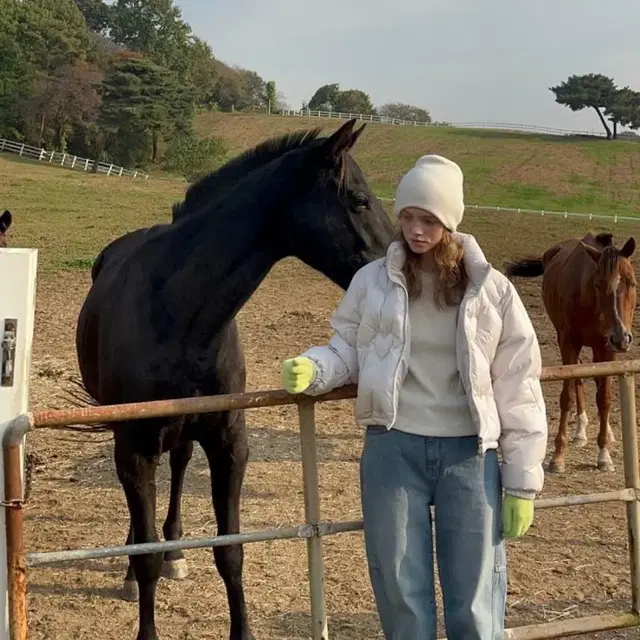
(580, 432)
(603, 400)
(569, 356)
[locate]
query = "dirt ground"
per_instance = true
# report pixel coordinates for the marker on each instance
(573, 562)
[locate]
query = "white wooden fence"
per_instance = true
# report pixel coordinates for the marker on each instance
(67, 160)
(502, 126)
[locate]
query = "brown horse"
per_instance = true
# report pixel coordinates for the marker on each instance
(589, 292)
(5, 223)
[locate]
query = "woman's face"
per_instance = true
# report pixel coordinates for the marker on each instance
(421, 229)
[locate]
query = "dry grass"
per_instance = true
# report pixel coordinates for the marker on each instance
(501, 168)
(573, 562)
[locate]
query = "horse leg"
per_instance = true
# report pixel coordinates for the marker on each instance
(580, 433)
(175, 564)
(137, 477)
(227, 450)
(130, 589)
(569, 356)
(603, 400)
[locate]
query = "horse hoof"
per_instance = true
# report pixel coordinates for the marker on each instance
(555, 467)
(130, 591)
(580, 442)
(175, 569)
(604, 461)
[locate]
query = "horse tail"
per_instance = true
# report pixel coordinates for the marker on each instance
(527, 268)
(81, 398)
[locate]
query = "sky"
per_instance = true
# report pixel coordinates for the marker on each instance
(463, 60)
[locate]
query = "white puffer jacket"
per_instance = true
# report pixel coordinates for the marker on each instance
(497, 353)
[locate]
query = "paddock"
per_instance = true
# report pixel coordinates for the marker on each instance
(573, 563)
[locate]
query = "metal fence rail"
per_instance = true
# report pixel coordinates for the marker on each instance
(67, 160)
(314, 529)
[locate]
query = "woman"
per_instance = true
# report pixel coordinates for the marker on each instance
(448, 369)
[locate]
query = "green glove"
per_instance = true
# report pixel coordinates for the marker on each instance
(517, 516)
(298, 374)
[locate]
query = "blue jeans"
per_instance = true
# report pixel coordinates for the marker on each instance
(401, 475)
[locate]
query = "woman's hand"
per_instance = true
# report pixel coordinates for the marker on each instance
(297, 374)
(517, 516)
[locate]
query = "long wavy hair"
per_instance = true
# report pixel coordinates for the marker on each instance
(450, 275)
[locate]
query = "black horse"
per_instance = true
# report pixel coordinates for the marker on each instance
(159, 322)
(5, 222)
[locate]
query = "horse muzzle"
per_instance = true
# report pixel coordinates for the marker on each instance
(621, 340)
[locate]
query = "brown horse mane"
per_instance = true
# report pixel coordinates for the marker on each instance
(604, 239)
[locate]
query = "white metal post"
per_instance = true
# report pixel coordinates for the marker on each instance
(17, 313)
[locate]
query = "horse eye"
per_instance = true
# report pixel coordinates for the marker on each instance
(361, 202)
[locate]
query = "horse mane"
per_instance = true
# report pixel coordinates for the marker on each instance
(216, 183)
(609, 259)
(604, 239)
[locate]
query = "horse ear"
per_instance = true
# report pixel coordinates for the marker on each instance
(355, 135)
(341, 140)
(591, 251)
(5, 220)
(629, 247)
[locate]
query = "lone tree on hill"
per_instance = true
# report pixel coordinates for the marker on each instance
(624, 110)
(401, 111)
(599, 92)
(329, 97)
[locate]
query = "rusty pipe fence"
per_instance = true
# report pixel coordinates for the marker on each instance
(314, 529)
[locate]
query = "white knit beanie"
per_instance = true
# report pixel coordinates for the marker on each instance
(436, 185)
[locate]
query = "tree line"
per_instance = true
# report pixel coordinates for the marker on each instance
(330, 97)
(615, 106)
(116, 82)
(122, 82)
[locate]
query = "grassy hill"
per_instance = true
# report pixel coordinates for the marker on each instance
(501, 168)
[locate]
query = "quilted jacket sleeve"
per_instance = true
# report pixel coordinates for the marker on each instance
(516, 373)
(337, 362)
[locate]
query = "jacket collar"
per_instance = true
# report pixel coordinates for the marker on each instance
(477, 265)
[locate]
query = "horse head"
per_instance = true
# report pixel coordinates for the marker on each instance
(5, 222)
(334, 222)
(614, 282)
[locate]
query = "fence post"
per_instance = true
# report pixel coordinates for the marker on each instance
(16, 567)
(631, 479)
(306, 414)
(17, 313)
